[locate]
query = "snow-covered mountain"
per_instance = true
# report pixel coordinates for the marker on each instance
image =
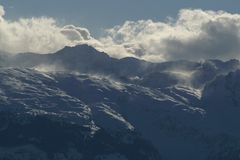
(80, 103)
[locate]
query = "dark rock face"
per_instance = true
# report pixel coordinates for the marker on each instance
(40, 137)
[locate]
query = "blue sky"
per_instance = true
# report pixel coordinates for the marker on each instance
(97, 15)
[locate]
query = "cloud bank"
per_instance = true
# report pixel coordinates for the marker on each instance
(194, 35)
(39, 35)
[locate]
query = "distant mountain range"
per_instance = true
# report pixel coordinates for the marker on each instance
(80, 103)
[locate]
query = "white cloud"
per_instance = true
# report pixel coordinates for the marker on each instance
(39, 35)
(194, 34)
(75, 33)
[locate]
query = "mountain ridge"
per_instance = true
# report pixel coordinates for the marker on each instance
(86, 59)
(123, 109)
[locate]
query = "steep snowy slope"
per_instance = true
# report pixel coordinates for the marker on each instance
(79, 103)
(222, 100)
(42, 116)
(159, 121)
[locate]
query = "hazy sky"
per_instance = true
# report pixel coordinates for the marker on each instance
(97, 15)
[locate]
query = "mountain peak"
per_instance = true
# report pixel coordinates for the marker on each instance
(82, 46)
(83, 49)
